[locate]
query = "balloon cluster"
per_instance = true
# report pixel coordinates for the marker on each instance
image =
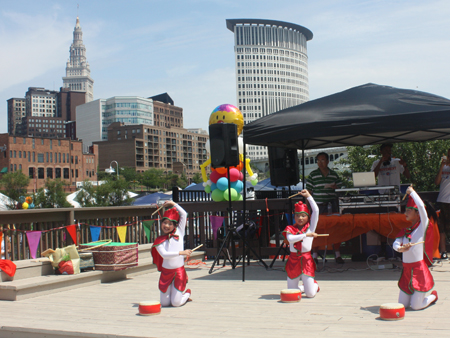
(25, 203)
(219, 184)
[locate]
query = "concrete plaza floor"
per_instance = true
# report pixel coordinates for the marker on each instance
(225, 306)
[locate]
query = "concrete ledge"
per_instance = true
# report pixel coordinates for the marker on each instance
(38, 285)
(22, 332)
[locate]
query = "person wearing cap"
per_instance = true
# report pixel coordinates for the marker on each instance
(300, 237)
(416, 278)
(443, 181)
(168, 255)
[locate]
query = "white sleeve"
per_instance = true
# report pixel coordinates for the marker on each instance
(374, 165)
(422, 212)
(314, 214)
(397, 244)
(183, 218)
(295, 238)
(166, 254)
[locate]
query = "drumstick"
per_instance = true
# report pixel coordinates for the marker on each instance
(406, 194)
(196, 247)
(417, 243)
(294, 195)
(158, 209)
(323, 234)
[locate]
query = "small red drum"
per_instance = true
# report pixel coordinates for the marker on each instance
(149, 308)
(392, 311)
(290, 295)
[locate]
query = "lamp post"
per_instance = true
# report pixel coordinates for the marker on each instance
(111, 170)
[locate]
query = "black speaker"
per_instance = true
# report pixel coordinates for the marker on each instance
(224, 145)
(283, 165)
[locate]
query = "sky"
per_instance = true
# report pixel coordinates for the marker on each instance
(182, 47)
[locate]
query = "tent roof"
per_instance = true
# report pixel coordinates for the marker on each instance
(367, 114)
(151, 198)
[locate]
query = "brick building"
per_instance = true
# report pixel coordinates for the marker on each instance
(143, 147)
(42, 158)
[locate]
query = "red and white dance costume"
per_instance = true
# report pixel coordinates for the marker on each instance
(416, 278)
(300, 262)
(165, 253)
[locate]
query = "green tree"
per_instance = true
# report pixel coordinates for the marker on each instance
(129, 174)
(86, 195)
(422, 158)
(53, 196)
(359, 159)
(197, 178)
(114, 192)
(14, 185)
(152, 178)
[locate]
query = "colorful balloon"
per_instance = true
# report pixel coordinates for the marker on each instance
(214, 176)
(222, 183)
(25, 205)
(217, 195)
(237, 185)
(234, 174)
(222, 171)
(234, 195)
(31, 206)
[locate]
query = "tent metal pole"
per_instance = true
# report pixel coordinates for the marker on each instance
(303, 164)
(244, 211)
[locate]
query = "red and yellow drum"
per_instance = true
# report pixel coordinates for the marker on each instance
(149, 308)
(290, 295)
(392, 311)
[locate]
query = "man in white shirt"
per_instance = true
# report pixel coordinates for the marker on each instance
(388, 169)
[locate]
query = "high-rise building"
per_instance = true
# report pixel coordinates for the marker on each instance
(44, 113)
(78, 73)
(271, 68)
(142, 147)
(93, 118)
(16, 111)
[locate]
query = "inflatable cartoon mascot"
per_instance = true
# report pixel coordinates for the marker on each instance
(217, 184)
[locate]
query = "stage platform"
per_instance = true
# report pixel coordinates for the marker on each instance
(224, 306)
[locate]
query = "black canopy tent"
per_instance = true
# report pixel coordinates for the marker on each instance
(363, 115)
(367, 114)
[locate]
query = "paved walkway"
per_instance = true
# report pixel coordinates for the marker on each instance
(224, 306)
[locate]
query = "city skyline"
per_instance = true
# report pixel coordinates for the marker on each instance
(144, 48)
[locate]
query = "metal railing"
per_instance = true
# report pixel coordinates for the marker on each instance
(53, 224)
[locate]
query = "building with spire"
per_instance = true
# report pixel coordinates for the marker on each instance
(78, 73)
(271, 68)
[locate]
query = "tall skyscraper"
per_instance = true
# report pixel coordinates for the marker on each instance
(78, 73)
(271, 68)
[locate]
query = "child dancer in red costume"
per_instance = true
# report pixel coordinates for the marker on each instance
(167, 252)
(416, 278)
(300, 237)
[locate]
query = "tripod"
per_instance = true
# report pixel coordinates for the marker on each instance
(231, 234)
(232, 231)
